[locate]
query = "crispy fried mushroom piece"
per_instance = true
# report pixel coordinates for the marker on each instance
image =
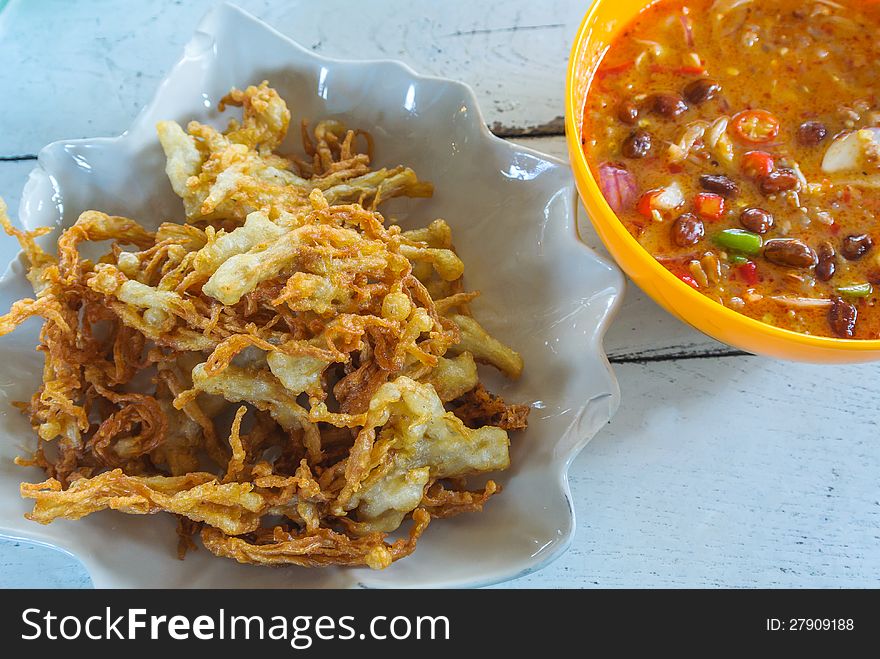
(486, 348)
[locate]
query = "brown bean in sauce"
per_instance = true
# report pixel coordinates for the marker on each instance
(756, 220)
(687, 230)
(827, 264)
(667, 105)
(779, 180)
(637, 144)
(856, 246)
(628, 112)
(719, 184)
(701, 90)
(790, 252)
(810, 133)
(842, 317)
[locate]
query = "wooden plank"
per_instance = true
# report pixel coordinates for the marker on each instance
(25, 564)
(13, 175)
(111, 55)
(729, 473)
(513, 54)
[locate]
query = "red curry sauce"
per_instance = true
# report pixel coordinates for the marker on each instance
(739, 142)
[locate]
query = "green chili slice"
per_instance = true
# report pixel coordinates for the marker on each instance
(739, 240)
(856, 290)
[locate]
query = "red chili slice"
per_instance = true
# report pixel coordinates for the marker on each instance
(646, 202)
(687, 279)
(709, 206)
(755, 126)
(749, 272)
(757, 164)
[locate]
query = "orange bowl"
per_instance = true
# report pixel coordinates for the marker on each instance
(601, 24)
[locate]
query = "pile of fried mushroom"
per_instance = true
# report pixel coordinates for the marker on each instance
(289, 375)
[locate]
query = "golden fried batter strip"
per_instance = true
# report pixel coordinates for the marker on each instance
(478, 407)
(318, 548)
(234, 507)
(442, 503)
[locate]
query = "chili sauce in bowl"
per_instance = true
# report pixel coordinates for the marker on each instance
(738, 141)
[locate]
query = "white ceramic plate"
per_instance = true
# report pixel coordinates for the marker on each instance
(512, 214)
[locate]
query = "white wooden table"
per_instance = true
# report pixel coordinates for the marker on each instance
(720, 469)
